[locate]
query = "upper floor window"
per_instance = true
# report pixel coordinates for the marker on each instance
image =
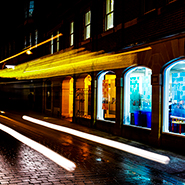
(109, 17)
(51, 43)
(30, 39)
(72, 33)
(58, 44)
(149, 5)
(29, 8)
(36, 37)
(87, 25)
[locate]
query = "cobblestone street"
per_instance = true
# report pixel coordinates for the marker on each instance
(96, 164)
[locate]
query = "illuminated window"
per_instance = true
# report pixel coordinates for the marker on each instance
(67, 97)
(36, 37)
(174, 98)
(28, 10)
(51, 43)
(58, 43)
(149, 5)
(31, 8)
(138, 97)
(109, 18)
(83, 97)
(87, 30)
(72, 34)
(106, 97)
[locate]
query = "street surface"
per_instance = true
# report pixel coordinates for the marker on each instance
(95, 163)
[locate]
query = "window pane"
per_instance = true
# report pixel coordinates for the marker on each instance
(87, 18)
(177, 99)
(109, 96)
(109, 6)
(72, 28)
(83, 97)
(71, 40)
(87, 32)
(138, 100)
(110, 21)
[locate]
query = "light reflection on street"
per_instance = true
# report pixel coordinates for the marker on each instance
(63, 162)
(121, 146)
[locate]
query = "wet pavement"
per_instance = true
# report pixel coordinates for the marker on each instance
(96, 163)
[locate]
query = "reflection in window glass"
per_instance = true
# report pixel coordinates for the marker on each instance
(174, 93)
(106, 100)
(137, 97)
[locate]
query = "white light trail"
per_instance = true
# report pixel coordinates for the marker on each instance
(61, 161)
(121, 146)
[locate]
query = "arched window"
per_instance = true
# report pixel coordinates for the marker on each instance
(174, 98)
(67, 97)
(83, 96)
(106, 97)
(138, 97)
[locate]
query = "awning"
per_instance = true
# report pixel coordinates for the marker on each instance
(71, 62)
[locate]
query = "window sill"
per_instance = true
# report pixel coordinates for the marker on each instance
(85, 41)
(149, 11)
(107, 32)
(171, 2)
(144, 128)
(108, 121)
(173, 134)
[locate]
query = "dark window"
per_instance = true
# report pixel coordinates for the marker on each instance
(148, 5)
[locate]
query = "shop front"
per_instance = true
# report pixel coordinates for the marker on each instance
(174, 98)
(137, 97)
(106, 96)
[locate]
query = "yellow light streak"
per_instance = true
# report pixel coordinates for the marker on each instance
(114, 144)
(72, 62)
(30, 48)
(60, 160)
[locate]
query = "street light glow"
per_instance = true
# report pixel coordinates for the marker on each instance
(60, 160)
(114, 144)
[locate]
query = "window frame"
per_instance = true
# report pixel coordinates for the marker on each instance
(86, 26)
(71, 39)
(107, 14)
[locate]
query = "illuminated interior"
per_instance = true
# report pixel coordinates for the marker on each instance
(138, 97)
(174, 98)
(83, 97)
(67, 97)
(106, 98)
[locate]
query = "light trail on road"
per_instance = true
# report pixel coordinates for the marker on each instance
(114, 144)
(60, 160)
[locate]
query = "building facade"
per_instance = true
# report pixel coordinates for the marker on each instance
(118, 66)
